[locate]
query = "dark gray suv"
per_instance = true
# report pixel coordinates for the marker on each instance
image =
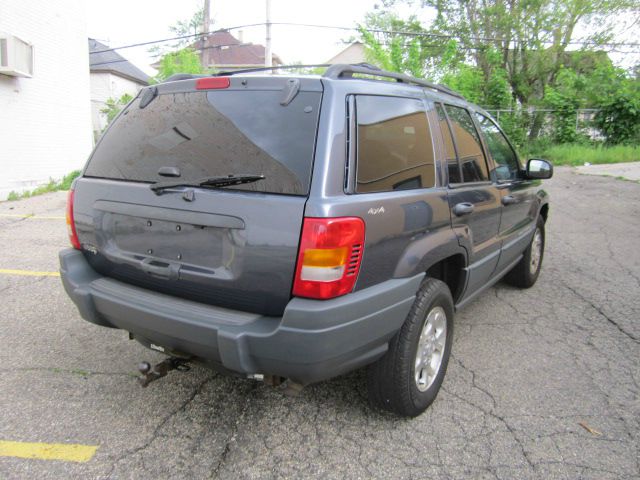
(294, 228)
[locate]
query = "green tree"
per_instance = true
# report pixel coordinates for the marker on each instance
(619, 117)
(532, 36)
(182, 61)
(517, 47)
(114, 105)
(182, 28)
(396, 52)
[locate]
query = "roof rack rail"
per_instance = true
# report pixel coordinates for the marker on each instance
(266, 69)
(187, 76)
(182, 76)
(346, 71)
(334, 71)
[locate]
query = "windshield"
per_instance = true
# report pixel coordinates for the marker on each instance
(215, 133)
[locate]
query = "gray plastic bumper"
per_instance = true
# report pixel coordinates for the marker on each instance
(313, 340)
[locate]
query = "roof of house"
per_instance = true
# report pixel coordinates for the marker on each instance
(354, 53)
(113, 62)
(224, 50)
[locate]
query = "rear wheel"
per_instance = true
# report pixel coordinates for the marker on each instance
(525, 273)
(407, 378)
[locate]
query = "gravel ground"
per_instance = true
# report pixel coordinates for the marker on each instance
(528, 368)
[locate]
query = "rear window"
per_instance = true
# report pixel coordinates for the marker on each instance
(214, 133)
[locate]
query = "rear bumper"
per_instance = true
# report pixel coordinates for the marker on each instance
(312, 341)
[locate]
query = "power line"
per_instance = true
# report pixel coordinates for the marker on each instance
(203, 48)
(443, 35)
(182, 37)
(371, 30)
(91, 65)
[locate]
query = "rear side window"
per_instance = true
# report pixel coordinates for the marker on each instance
(507, 166)
(470, 154)
(214, 133)
(394, 151)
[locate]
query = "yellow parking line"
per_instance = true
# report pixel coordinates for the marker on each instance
(28, 273)
(32, 216)
(48, 451)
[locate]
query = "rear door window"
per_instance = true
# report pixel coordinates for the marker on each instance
(473, 164)
(394, 146)
(450, 152)
(214, 133)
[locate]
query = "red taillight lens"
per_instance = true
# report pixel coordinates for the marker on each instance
(71, 225)
(329, 257)
(211, 83)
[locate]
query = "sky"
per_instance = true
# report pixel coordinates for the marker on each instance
(125, 22)
(120, 22)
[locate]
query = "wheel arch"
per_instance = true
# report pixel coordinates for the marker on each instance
(452, 271)
(440, 256)
(544, 212)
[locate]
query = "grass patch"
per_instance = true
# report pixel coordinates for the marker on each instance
(575, 155)
(52, 186)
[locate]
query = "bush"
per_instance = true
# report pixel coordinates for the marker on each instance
(619, 119)
(577, 154)
(52, 186)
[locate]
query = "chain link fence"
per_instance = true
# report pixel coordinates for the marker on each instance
(524, 125)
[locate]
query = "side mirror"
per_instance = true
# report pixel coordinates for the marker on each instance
(538, 168)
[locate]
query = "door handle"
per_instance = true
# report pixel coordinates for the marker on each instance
(464, 208)
(168, 271)
(509, 200)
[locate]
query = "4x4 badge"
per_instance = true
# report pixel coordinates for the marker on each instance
(189, 196)
(375, 211)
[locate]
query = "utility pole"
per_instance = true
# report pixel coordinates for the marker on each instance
(206, 24)
(267, 43)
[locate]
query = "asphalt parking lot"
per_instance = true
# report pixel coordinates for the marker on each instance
(543, 383)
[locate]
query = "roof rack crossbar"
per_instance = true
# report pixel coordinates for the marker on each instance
(346, 71)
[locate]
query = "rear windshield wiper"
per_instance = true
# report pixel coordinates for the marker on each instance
(212, 182)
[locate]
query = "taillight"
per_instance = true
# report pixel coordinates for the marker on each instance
(211, 83)
(71, 226)
(329, 257)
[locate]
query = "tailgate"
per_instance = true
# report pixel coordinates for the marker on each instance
(234, 247)
(231, 249)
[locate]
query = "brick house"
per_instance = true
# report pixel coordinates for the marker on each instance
(223, 51)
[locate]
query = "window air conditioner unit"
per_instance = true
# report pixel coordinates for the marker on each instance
(16, 56)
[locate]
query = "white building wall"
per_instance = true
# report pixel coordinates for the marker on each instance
(104, 86)
(45, 121)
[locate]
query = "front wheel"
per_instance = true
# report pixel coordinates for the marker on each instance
(407, 378)
(525, 273)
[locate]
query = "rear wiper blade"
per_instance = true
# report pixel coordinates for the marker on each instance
(214, 182)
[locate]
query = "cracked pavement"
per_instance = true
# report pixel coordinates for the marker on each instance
(528, 368)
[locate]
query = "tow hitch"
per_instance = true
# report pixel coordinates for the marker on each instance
(151, 374)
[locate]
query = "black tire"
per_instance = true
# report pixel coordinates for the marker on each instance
(391, 381)
(523, 275)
